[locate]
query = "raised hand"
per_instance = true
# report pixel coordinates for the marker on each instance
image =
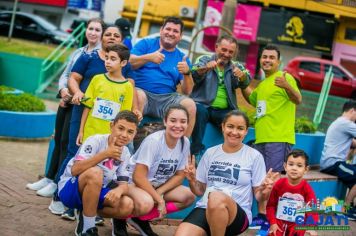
(270, 179)
(157, 56)
(190, 171)
(113, 151)
(281, 81)
(238, 73)
(182, 66)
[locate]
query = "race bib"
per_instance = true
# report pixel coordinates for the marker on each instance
(261, 108)
(105, 109)
(287, 209)
(213, 189)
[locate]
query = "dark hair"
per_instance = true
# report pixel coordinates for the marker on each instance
(272, 48)
(112, 26)
(174, 20)
(228, 38)
(298, 153)
(175, 107)
(236, 113)
(129, 116)
(121, 50)
(349, 105)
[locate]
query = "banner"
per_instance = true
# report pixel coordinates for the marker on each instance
(296, 29)
(57, 3)
(246, 20)
(94, 5)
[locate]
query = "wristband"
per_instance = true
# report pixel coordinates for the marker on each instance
(188, 73)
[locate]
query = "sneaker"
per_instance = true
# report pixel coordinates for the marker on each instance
(93, 231)
(69, 214)
(80, 222)
(99, 220)
(39, 184)
(257, 222)
(264, 230)
(142, 226)
(119, 227)
(351, 214)
(56, 207)
(48, 190)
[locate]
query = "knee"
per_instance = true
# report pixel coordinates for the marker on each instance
(189, 199)
(126, 206)
(144, 205)
(190, 105)
(216, 201)
(93, 175)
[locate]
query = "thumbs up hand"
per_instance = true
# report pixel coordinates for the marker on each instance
(183, 67)
(157, 56)
(281, 81)
(113, 151)
(238, 73)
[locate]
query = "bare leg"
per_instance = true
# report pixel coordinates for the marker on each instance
(141, 100)
(188, 229)
(189, 104)
(220, 212)
(181, 196)
(143, 202)
(351, 195)
(90, 183)
(121, 210)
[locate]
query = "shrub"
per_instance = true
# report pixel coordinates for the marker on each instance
(24, 102)
(304, 125)
(5, 88)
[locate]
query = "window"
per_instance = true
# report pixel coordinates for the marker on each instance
(310, 66)
(337, 72)
(350, 34)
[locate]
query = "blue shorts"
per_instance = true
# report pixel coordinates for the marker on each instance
(345, 172)
(70, 196)
(274, 154)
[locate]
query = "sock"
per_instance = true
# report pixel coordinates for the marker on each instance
(263, 216)
(154, 213)
(88, 222)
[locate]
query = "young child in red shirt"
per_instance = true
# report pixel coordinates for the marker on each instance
(288, 195)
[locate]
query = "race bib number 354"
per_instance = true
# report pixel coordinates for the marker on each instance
(105, 109)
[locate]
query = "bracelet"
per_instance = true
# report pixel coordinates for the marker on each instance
(188, 73)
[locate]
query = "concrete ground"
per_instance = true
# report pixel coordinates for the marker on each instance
(24, 213)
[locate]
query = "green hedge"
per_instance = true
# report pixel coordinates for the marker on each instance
(22, 102)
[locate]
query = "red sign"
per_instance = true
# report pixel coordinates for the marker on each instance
(57, 3)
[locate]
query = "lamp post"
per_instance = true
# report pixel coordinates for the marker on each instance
(228, 16)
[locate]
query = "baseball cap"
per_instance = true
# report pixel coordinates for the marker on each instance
(124, 26)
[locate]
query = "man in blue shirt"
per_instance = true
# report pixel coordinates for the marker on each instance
(159, 66)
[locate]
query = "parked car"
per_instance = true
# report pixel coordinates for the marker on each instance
(310, 72)
(31, 27)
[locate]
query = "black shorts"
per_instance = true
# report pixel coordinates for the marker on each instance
(345, 172)
(198, 217)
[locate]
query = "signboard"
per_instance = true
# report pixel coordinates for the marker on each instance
(94, 5)
(246, 20)
(296, 29)
(57, 3)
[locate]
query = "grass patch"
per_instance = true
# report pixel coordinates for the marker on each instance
(30, 48)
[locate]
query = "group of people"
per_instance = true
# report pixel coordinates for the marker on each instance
(107, 89)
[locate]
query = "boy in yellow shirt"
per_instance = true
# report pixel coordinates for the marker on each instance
(107, 94)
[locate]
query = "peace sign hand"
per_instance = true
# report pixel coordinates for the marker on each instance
(270, 179)
(190, 171)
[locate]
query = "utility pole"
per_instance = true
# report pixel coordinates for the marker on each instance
(12, 21)
(228, 16)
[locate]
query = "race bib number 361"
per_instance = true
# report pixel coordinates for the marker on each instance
(105, 109)
(287, 209)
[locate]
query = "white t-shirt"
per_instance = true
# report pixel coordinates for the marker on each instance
(112, 170)
(233, 173)
(161, 161)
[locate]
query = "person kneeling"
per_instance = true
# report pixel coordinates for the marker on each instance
(95, 180)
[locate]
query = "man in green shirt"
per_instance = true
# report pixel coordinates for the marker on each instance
(275, 99)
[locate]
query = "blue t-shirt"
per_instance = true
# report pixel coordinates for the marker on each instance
(158, 78)
(90, 64)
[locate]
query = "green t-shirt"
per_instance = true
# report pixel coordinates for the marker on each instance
(275, 112)
(220, 101)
